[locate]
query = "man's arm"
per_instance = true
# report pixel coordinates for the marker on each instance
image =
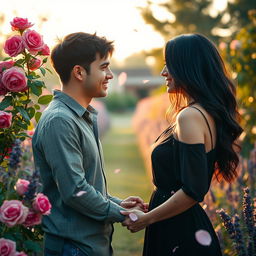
(63, 153)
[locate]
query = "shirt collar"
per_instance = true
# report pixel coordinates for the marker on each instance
(73, 104)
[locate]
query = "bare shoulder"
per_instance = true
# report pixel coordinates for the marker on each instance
(190, 126)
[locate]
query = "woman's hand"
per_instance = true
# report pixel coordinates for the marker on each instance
(135, 220)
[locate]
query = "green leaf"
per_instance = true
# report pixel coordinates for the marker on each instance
(24, 113)
(26, 101)
(48, 70)
(43, 71)
(30, 77)
(38, 116)
(31, 112)
(45, 60)
(44, 100)
(37, 107)
(19, 62)
(36, 90)
(33, 246)
(22, 125)
(38, 83)
(7, 58)
(23, 134)
(6, 102)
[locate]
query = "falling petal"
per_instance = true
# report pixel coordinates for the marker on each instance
(80, 193)
(122, 78)
(172, 192)
(145, 81)
(133, 216)
(117, 171)
(135, 30)
(203, 237)
(175, 248)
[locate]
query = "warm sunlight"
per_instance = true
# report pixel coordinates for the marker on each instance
(117, 20)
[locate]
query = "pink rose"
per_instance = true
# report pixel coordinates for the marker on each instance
(42, 204)
(7, 247)
(6, 65)
(33, 218)
(21, 186)
(33, 41)
(21, 254)
(14, 46)
(45, 51)
(34, 63)
(5, 119)
(20, 23)
(14, 79)
(13, 212)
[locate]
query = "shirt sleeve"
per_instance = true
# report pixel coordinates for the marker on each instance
(62, 151)
(194, 170)
(115, 199)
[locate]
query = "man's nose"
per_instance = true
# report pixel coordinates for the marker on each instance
(109, 74)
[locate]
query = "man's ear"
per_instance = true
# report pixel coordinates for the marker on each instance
(79, 72)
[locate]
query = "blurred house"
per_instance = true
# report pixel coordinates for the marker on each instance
(138, 81)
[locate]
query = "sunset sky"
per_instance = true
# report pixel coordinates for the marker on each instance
(118, 20)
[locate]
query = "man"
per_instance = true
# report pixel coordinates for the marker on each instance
(69, 156)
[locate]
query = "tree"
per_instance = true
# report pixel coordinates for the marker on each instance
(241, 55)
(197, 16)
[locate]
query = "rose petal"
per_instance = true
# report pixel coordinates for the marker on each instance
(122, 78)
(203, 237)
(175, 248)
(133, 216)
(80, 193)
(145, 81)
(117, 171)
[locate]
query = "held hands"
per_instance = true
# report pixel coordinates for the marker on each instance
(135, 220)
(134, 203)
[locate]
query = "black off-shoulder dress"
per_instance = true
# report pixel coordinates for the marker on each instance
(178, 165)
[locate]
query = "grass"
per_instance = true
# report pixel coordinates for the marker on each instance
(121, 152)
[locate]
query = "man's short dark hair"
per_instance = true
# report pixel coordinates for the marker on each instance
(78, 49)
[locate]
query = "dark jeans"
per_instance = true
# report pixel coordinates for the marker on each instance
(68, 250)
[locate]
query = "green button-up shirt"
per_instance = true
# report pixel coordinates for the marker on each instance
(72, 172)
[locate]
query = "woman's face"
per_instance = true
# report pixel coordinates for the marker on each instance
(169, 80)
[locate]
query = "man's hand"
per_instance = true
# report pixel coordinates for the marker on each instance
(134, 202)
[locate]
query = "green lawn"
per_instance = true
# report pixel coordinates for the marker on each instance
(121, 152)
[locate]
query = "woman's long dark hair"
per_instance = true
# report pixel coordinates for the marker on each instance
(198, 70)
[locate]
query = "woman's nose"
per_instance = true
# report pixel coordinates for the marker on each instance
(164, 71)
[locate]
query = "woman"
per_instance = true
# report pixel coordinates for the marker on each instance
(199, 144)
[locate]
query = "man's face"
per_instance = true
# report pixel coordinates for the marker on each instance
(96, 83)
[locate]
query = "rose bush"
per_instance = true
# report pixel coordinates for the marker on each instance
(21, 203)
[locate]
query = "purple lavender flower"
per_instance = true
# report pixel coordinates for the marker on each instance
(32, 187)
(248, 210)
(15, 154)
(240, 245)
(229, 226)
